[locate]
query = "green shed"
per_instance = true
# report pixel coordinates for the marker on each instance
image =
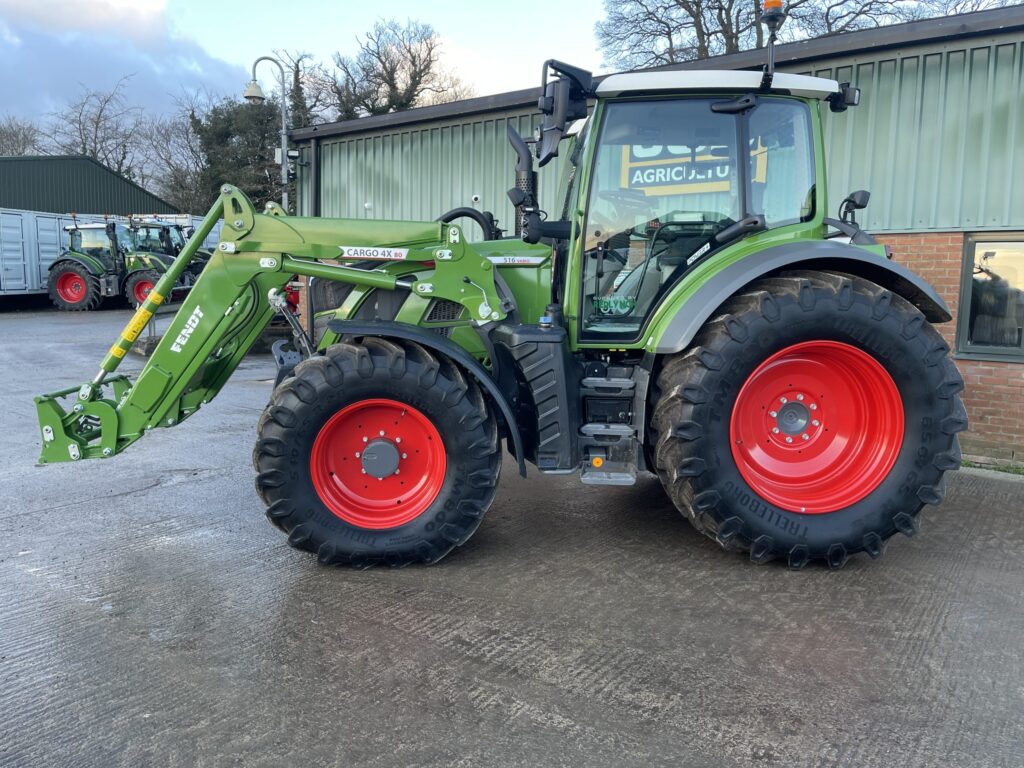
(72, 183)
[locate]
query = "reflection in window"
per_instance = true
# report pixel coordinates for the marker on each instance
(995, 296)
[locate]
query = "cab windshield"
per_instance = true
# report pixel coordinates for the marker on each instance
(669, 175)
(91, 241)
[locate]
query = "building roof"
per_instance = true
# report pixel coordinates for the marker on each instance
(72, 183)
(713, 79)
(954, 27)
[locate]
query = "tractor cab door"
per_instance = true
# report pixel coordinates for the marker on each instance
(668, 175)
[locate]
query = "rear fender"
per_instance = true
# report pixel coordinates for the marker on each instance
(451, 350)
(819, 255)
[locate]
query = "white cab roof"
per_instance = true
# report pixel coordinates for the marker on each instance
(714, 80)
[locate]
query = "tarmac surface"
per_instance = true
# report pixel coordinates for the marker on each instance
(151, 616)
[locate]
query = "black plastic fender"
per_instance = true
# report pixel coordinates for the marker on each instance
(818, 254)
(452, 350)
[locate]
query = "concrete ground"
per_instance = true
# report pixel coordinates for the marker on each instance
(150, 616)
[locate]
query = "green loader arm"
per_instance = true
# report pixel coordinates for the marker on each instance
(229, 307)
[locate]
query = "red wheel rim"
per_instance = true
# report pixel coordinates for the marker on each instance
(141, 290)
(71, 287)
(354, 456)
(817, 427)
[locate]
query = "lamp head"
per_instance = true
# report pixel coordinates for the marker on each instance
(253, 93)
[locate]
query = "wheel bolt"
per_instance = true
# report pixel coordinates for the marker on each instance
(773, 414)
(382, 433)
(799, 397)
(357, 454)
(789, 439)
(405, 456)
(783, 400)
(398, 439)
(775, 430)
(813, 407)
(816, 423)
(398, 471)
(805, 436)
(363, 471)
(366, 439)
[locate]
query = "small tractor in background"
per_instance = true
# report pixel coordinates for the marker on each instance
(118, 258)
(681, 309)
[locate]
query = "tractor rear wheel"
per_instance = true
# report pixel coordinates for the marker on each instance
(73, 288)
(381, 452)
(812, 419)
(138, 286)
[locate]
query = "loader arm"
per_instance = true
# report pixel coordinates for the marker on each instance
(229, 307)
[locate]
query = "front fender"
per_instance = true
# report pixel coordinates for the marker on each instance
(816, 254)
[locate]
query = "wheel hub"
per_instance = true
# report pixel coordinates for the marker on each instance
(380, 458)
(378, 463)
(817, 427)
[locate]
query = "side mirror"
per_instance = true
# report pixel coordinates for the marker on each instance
(189, 231)
(855, 201)
(846, 96)
(858, 200)
(562, 101)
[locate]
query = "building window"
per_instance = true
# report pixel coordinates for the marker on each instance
(991, 323)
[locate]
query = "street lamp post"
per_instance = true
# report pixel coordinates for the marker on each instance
(254, 94)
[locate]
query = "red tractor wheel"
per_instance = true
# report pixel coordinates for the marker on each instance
(812, 419)
(139, 285)
(377, 453)
(73, 288)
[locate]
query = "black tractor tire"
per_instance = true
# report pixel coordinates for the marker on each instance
(135, 279)
(328, 386)
(73, 288)
(696, 398)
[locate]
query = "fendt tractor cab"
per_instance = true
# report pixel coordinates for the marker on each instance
(101, 260)
(166, 239)
(680, 309)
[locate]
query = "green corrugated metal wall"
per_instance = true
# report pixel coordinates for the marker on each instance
(66, 184)
(938, 140)
(425, 170)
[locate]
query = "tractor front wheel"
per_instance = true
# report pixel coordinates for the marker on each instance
(381, 452)
(139, 285)
(73, 288)
(812, 419)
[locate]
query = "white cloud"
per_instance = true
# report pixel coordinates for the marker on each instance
(133, 19)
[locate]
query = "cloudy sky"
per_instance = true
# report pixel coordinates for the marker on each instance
(49, 47)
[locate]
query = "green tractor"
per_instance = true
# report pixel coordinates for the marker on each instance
(115, 259)
(680, 310)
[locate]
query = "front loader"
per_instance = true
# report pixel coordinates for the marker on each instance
(683, 309)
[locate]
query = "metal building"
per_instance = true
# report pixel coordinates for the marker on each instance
(72, 183)
(938, 140)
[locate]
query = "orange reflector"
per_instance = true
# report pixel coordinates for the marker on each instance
(773, 5)
(597, 462)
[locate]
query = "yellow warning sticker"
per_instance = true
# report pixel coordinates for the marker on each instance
(137, 324)
(156, 298)
(117, 352)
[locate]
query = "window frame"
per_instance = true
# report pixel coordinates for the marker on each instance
(964, 349)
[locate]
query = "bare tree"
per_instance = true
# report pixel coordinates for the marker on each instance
(19, 137)
(397, 68)
(310, 96)
(646, 33)
(103, 126)
(177, 160)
